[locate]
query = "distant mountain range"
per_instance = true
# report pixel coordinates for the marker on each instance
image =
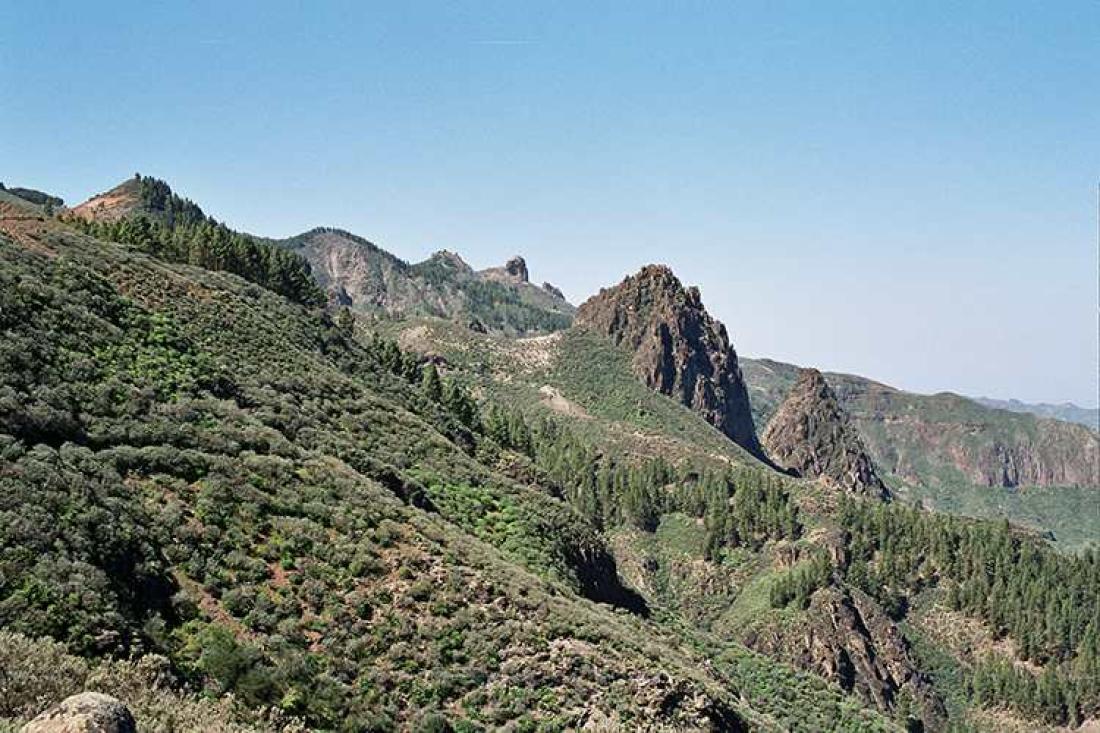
(943, 439)
(1067, 411)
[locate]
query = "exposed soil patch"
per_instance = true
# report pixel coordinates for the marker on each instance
(556, 401)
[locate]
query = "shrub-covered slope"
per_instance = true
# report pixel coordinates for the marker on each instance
(829, 591)
(199, 468)
(285, 516)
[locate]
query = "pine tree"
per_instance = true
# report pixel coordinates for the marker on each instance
(431, 385)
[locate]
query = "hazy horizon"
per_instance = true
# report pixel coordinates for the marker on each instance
(844, 197)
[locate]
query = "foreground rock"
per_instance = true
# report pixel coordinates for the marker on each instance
(812, 436)
(88, 712)
(679, 350)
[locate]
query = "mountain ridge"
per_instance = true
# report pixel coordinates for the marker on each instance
(945, 437)
(503, 300)
(1064, 411)
(361, 275)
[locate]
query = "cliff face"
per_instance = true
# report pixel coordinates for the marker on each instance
(811, 435)
(947, 437)
(943, 438)
(679, 350)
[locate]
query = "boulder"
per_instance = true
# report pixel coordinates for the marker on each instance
(87, 712)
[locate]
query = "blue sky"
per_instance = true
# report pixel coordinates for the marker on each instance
(902, 190)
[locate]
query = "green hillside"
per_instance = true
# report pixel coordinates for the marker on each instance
(200, 469)
(239, 509)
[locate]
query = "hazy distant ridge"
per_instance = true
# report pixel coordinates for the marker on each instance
(1067, 411)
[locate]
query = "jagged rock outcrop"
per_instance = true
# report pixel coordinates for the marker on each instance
(679, 350)
(514, 271)
(812, 436)
(88, 712)
(849, 640)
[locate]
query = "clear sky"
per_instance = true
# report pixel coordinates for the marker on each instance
(902, 190)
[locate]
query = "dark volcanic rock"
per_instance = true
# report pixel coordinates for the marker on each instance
(517, 269)
(514, 271)
(849, 640)
(88, 712)
(679, 350)
(812, 436)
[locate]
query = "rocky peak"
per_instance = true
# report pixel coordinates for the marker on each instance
(813, 436)
(513, 272)
(450, 259)
(679, 350)
(517, 269)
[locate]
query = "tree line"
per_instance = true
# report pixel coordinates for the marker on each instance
(1046, 602)
(181, 232)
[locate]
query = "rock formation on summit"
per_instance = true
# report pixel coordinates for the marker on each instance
(513, 271)
(811, 435)
(679, 350)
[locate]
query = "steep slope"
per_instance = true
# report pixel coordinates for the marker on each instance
(689, 553)
(944, 439)
(811, 435)
(678, 349)
(847, 639)
(283, 503)
(114, 204)
(365, 277)
(201, 468)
